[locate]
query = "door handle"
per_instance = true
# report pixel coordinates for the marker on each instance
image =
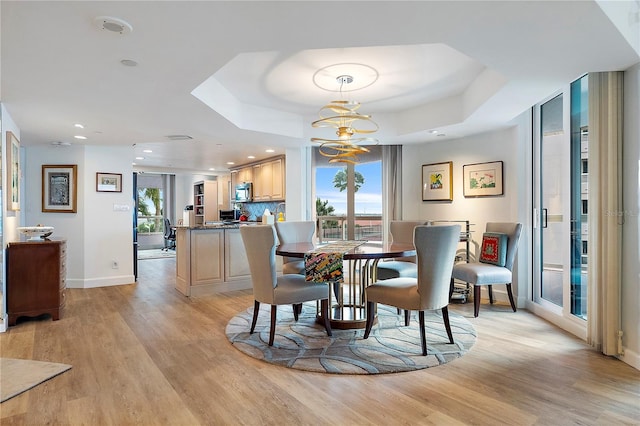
(544, 218)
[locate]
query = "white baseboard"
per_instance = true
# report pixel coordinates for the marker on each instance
(3, 324)
(100, 282)
(630, 357)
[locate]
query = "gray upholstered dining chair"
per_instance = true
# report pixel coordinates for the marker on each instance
(294, 232)
(260, 246)
(436, 250)
(401, 232)
(497, 254)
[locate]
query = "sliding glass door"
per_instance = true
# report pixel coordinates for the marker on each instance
(560, 206)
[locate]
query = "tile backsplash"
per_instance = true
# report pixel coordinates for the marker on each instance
(256, 210)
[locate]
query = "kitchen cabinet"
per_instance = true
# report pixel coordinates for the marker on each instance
(212, 259)
(277, 179)
(267, 177)
(198, 261)
(268, 182)
(244, 174)
(236, 264)
(36, 278)
(205, 202)
(258, 185)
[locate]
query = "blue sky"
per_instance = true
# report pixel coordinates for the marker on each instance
(368, 197)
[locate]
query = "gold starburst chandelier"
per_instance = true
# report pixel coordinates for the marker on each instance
(348, 122)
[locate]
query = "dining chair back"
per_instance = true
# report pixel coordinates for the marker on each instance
(260, 246)
(481, 273)
(294, 232)
(436, 248)
(401, 232)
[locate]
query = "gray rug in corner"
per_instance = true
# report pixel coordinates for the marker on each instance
(390, 348)
(20, 375)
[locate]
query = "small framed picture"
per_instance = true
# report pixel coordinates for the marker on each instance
(13, 172)
(108, 182)
(59, 188)
(482, 179)
(437, 182)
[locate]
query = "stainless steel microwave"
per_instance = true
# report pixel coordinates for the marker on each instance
(244, 192)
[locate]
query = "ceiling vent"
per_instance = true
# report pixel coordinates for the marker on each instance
(179, 137)
(115, 25)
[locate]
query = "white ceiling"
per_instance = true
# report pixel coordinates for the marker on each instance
(240, 77)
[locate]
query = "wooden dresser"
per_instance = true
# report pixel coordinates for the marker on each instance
(36, 276)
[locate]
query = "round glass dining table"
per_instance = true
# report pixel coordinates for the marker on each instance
(347, 300)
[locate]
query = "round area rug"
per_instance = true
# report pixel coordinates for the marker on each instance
(390, 348)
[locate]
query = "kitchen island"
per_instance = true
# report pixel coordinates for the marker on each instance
(211, 259)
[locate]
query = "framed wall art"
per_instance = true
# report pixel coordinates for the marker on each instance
(437, 182)
(108, 182)
(59, 188)
(13, 172)
(482, 179)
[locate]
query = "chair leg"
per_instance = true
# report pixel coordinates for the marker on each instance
(510, 293)
(407, 317)
(256, 308)
(476, 300)
(371, 307)
(447, 324)
(423, 334)
(490, 289)
(297, 309)
(451, 288)
(336, 291)
(272, 330)
(324, 307)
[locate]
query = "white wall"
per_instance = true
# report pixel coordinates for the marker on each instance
(184, 190)
(509, 146)
(99, 233)
(631, 228)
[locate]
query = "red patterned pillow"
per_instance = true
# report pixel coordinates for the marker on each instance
(494, 248)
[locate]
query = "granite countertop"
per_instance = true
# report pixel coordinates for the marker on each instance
(220, 225)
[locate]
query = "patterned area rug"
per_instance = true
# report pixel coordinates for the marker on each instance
(19, 375)
(390, 348)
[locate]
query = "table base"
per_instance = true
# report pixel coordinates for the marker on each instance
(346, 323)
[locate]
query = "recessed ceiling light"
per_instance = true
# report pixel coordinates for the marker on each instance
(148, 151)
(231, 163)
(133, 164)
(139, 158)
(80, 137)
(433, 132)
(251, 156)
(115, 25)
(269, 150)
(78, 125)
(129, 62)
(211, 168)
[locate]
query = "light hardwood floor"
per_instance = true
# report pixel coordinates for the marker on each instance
(145, 354)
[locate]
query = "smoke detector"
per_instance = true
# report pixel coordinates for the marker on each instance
(115, 25)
